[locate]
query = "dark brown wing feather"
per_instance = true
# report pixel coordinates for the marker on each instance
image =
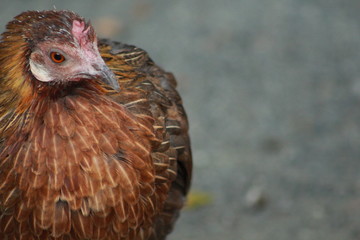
(151, 91)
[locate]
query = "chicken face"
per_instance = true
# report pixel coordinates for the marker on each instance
(56, 61)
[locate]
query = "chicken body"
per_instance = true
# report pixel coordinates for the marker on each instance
(90, 148)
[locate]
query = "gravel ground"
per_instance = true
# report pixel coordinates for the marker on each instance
(272, 90)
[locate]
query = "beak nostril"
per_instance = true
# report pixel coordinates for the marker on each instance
(96, 67)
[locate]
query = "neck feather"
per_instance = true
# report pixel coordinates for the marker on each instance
(16, 92)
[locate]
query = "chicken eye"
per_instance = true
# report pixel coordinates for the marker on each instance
(57, 57)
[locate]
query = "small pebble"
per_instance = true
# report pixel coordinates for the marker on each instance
(256, 198)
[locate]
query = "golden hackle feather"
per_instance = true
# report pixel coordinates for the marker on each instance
(93, 163)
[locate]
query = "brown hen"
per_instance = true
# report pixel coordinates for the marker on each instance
(93, 135)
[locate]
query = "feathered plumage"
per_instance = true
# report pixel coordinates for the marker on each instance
(93, 136)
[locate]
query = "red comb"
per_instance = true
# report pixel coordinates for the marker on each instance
(80, 33)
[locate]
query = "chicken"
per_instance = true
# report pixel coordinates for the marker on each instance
(93, 136)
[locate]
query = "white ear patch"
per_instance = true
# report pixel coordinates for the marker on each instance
(39, 72)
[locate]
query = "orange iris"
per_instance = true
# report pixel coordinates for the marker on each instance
(57, 57)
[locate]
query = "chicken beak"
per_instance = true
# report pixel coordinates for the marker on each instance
(108, 77)
(94, 67)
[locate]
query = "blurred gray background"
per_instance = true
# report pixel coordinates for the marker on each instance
(272, 91)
